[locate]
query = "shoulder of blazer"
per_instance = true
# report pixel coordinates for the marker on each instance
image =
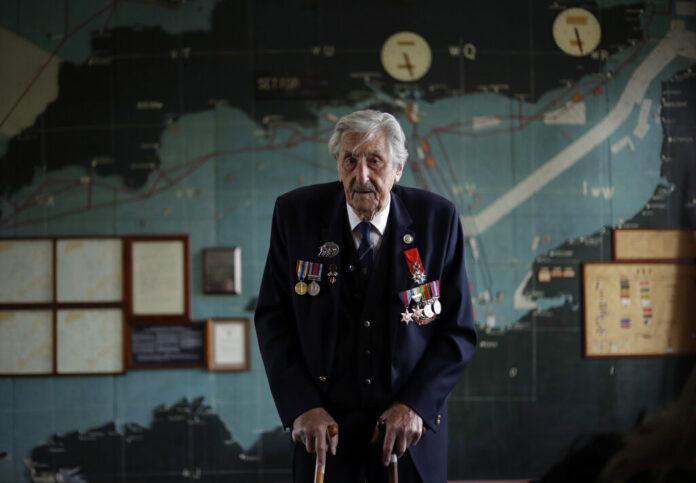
(418, 199)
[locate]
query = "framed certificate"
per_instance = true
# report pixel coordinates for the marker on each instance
(26, 342)
(89, 270)
(28, 263)
(222, 270)
(89, 341)
(158, 279)
(228, 345)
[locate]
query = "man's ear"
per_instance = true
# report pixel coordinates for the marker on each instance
(399, 170)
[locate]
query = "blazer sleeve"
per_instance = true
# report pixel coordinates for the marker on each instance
(450, 349)
(276, 329)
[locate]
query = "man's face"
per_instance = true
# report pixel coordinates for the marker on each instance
(367, 173)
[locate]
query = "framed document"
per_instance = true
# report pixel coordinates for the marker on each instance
(29, 265)
(89, 270)
(26, 342)
(228, 347)
(166, 346)
(639, 308)
(222, 270)
(89, 341)
(654, 243)
(158, 280)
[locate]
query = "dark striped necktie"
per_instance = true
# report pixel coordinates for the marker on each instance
(366, 250)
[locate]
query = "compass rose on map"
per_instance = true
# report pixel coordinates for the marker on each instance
(406, 56)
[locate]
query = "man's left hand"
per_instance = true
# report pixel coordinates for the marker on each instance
(402, 427)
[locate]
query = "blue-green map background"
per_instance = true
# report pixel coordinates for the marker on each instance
(224, 153)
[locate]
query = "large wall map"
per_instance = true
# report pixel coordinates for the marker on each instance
(546, 122)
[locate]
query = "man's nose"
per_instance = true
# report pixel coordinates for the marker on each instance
(363, 171)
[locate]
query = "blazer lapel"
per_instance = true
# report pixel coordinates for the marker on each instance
(403, 238)
(333, 225)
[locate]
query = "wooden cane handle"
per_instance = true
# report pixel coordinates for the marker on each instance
(333, 430)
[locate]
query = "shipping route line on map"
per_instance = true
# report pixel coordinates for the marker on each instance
(678, 41)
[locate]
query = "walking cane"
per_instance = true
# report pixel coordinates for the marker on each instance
(319, 469)
(393, 460)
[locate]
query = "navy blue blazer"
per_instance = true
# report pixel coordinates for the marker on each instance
(297, 334)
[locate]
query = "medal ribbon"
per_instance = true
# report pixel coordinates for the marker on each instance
(435, 286)
(413, 257)
(405, 297)
(315, 271)
(302, 269)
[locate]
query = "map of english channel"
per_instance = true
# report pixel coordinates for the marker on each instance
(193, 116)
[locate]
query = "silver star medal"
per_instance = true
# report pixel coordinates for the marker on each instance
(406, 316)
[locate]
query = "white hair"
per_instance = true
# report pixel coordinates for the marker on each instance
(369, 122)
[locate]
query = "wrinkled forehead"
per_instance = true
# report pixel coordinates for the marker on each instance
(359, 143)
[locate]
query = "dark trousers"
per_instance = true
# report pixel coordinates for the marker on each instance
(356, 460)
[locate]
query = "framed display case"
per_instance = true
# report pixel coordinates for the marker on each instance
(222, 270)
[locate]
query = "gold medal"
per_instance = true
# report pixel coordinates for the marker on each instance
(300, 288)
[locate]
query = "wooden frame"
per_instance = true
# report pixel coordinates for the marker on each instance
(158, 278)
(222, 270)
(27, 342)
(633, 308)
(54, 302)
(228, 345)
(654, 243)
(88, 270)
(165, 359)
(94, 343)
(29, 262)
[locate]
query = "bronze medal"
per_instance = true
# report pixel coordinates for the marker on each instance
(300, 288)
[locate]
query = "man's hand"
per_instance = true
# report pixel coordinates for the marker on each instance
(311, 428)
(402, 427)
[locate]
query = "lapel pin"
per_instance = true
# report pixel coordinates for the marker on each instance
(328, 250)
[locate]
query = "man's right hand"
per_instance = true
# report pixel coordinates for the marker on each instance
(311, 428)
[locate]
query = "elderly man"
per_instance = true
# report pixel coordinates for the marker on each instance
(364, 315)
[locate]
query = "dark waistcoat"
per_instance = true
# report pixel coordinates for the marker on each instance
(360, 376)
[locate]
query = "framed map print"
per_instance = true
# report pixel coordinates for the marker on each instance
(89, 270)
(26, 342)
(89, 341)
(29, 264)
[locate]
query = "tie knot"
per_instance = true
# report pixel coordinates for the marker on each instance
(365, 228)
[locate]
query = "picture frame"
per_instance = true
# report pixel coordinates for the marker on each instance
(89, 270)
(89, 341)
(26, 342)
(171, 346)
(222, 270)
(30, 264)
(158, 278)
(228, 345)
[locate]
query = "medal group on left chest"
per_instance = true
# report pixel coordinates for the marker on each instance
(421, 303)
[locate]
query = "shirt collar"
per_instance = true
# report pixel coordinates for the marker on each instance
(379, 221)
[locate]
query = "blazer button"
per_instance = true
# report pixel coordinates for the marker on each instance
(322, 378)
(351, 268)
(366, 323)
(367, 381)
(438, 418)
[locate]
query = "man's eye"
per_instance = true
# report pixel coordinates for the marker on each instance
(376, 162)
(349, 162)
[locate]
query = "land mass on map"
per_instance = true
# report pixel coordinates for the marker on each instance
(184, 442)
(112, 110)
